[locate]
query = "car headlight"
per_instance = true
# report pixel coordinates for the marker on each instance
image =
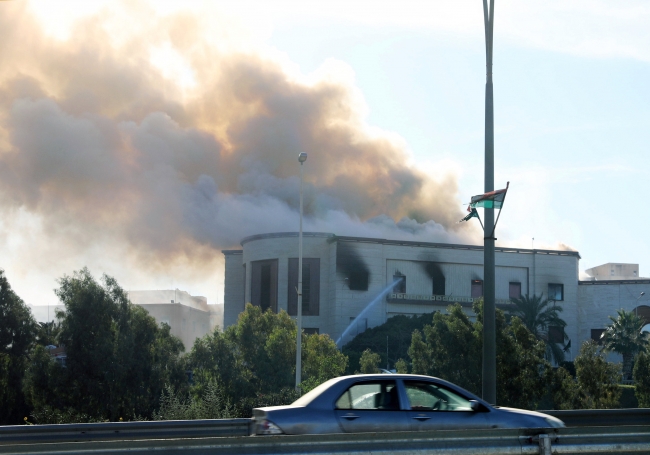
(268, 427)
(554, 422)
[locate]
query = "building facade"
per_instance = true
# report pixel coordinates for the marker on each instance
(351, 283)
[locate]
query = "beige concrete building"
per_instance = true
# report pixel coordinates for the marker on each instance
(353, 283)
(189, 317)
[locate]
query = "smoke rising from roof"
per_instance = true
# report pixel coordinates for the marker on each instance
(100, 146)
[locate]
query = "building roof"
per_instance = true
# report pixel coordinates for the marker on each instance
(335, 238)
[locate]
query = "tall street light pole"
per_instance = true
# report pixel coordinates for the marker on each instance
(489, 332)
(301, 159)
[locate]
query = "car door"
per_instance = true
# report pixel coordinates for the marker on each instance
(431, 406)
(369, 406)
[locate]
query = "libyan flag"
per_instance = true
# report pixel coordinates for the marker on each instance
(472, 213)
(493, 199)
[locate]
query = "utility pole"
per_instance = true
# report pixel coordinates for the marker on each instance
(489, 325)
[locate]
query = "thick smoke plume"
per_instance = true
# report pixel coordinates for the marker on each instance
(101, 149)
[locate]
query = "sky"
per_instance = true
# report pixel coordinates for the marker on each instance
(139, 138)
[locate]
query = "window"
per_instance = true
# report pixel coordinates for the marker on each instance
(477, 288)
(264, 284)
(596, 334)
(373, 395)
(556, 334)
(514, 290)
(358, 281)
(438, 285)
(400, 285)
(427, 396)
(555, 291)
(310, 330)
(310, 287)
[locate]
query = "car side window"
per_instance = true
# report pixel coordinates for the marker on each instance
(428, 396)
(377, 395)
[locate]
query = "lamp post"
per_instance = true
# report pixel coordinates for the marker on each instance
(489, 324)
(636, 309)
(301, 159)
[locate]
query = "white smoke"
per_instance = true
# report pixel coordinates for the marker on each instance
(119, 168)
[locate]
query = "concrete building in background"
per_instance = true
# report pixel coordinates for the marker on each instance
(614, 271)
(189, 317)
(352, 283)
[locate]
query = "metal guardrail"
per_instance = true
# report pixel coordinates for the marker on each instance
(602, 417)
(565, 441)
(79, 432)
(588, 431)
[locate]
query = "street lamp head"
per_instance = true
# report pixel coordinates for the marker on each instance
(642, 294)
(302, 157)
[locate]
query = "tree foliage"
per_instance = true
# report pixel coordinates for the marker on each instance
(118, 359)
(254, 361)
(538, 315)
(597, 378)
(396, 332)
(642, 379)
(624, 336)
(451, 348)
(369, 362)
(17, 337)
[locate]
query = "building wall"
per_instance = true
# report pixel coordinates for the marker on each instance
(342, 257)
(234, 286)
(598, 300)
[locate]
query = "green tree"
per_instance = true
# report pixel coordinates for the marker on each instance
(369, 362)
(624, 336)
(395, 334)
(17, 336)
(538, 315)
(642, 379)
(564, 389)
(47, 333)
(451, 348)
(402, 366)
(118, 360)
(321, 361)
(597, 378)
(254, 360)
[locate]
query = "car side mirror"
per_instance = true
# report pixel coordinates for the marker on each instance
(475, 405)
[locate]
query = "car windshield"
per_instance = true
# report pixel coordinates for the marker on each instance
(314, 393)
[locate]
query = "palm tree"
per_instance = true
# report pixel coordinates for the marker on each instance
(625, 337)
(539, 315)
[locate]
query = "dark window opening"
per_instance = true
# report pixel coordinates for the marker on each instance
(264, 284)
(477, 288)
(310, 287)
(596, 334)
(306, 288)
(400, 286)
(310, 330)
(265, 287)
(514, 290)
(438, 285)
(358, 281)
(556, 334)
(555, 291)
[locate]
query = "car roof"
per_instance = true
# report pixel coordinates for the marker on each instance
(316, 395)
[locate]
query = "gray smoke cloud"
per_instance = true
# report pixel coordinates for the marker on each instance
(98, 145)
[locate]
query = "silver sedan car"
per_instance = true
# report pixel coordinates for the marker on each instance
(396, 402)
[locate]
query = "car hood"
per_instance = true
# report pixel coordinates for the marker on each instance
(545, 419)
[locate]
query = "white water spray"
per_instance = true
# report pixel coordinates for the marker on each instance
(366, 310)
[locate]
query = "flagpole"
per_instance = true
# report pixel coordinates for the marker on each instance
(489, 325)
